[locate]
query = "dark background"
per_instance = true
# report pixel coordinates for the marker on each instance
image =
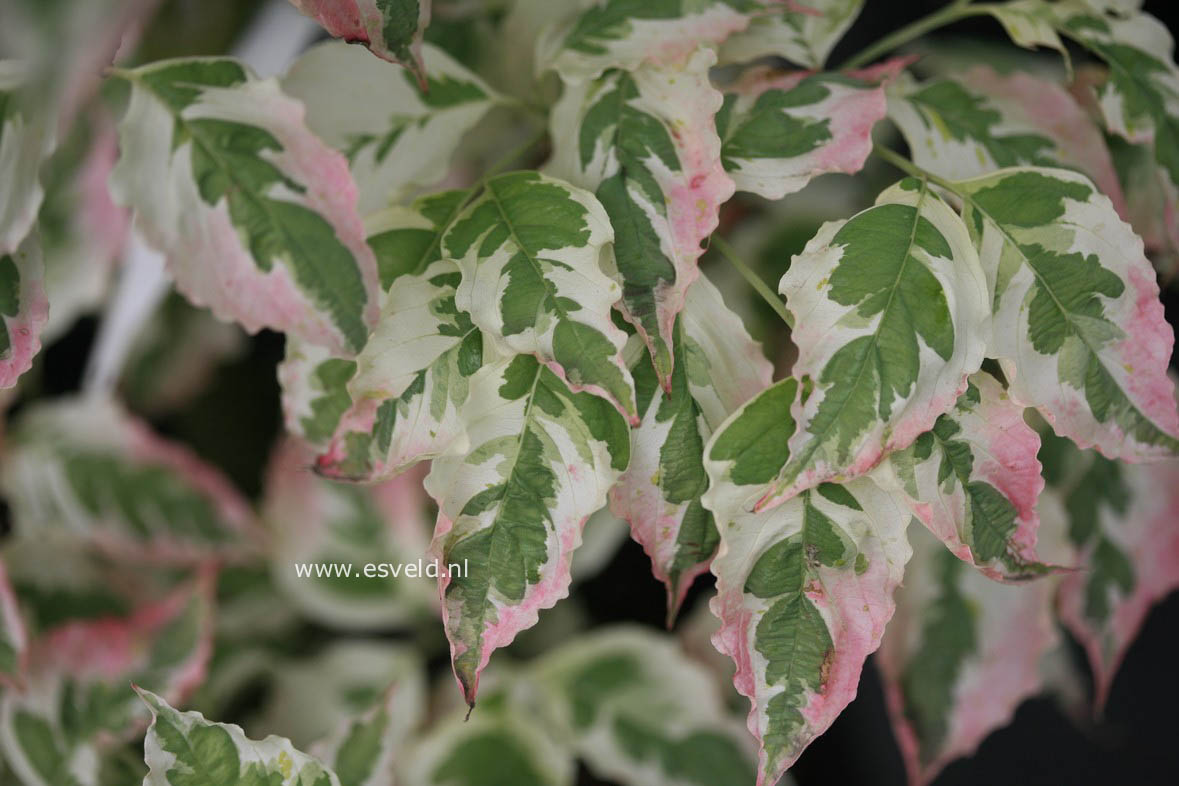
(1136, 743)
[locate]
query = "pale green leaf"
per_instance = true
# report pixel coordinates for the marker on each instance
(396, 134)
(804, 33)
(637, 710)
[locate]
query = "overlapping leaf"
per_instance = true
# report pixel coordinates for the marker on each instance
(1029, 23)
(256, 215)
(390, 29)
(959, 656)
(778, 130)
(891, 315)
(27, 133)
(183, 748)
(1141, 99)
(529, 248)
(78, 700)
(627, 33)
(972, 123)
(974, 479)
(1120, 520)
(24, 309)
(804, 589)
(1078, 325)
(644, 142)
(396, 134)
(488, 750)
(511, 509)
(412, 381)
(638, 711)
(316, 523)
(13, 638)
(803, 33)
(87, 469)
(718, 367)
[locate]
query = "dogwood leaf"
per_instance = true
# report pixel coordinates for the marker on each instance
(78, 701)
(88, 470)
(627, 33)
(1029, 23)
(972, 123)
(637, 710)
(256, 215)
(396, 133)
(488, 750)
(319, 523)
(1119, 520)
(184, 748)
(891, 315)
(24, 310)
(718, 367)
(412, 381)
(529, 248)
(1078, 326)
(511, 509)
(778, 130)
(13, 638)
(1140, 101)
(974, 479)
(804, 589)
(959, 656)
(27, 136)
(803, 33)
(390, 29)
(644, 142)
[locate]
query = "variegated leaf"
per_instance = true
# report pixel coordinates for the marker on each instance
(637, 710)
(89, 470)
(321, 528)
(974, 479)
(24, 309)
(644, 143)
(891, 315)
(13, 638)
(804, 589)
(183, 748)
(972, 123)
(396, 134)
(529, 248)
(778, 130)
(27, 134)
(718, 368)
(1141, 99)
(314, 699)
(1078, 326)
(627, 33)
(83, 232)
(314, 390)
(365, 745)
(390, 29)
(412, 381)
(487, 750)
(1029, 23)
(804, 33)
(511, 509)
(1151, 203)
(959, 656)
(1120, 520)
(78, 699)
(256, 215)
